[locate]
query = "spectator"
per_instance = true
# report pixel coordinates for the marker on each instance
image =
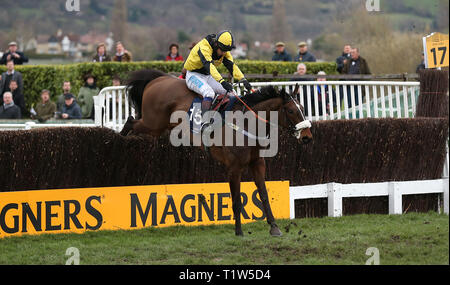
(355, 65)
(174, 55)
(328, 90)
(342, 60)
(18, 97)
(12, 54)
(280, 53)
(9, 75)
(122, 55)
(421, 66)
(303, 54)
(101, 55)
(71, 110)
(45, 109)
(86, 97)
(301, 71)
(61, 100)
(9, 110)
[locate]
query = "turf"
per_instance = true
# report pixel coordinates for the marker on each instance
(404, 239)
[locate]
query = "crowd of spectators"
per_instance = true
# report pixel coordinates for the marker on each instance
(303, 55)
(68, 106)
(349, 62)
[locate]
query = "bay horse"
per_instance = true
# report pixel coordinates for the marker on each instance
(156, 95)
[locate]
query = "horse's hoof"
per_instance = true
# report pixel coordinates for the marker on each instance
(275, 232)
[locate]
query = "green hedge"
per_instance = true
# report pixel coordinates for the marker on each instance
(51, 77)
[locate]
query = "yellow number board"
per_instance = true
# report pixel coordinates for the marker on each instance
(436, 50)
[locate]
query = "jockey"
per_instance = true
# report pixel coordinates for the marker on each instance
(202, 76)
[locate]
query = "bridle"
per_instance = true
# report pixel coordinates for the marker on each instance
(296, 129)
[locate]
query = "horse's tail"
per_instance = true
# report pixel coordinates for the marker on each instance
(136, 84)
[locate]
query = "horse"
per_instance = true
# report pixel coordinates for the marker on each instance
(156, 95)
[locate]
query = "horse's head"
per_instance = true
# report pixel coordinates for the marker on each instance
(296, 121)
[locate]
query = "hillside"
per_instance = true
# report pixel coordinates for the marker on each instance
(186, 20)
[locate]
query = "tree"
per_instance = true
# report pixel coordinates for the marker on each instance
(279, 21)
(119, 20)
(442, 16)
(183, 37)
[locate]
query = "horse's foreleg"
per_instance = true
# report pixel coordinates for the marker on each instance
(258, 169)
(235, 187)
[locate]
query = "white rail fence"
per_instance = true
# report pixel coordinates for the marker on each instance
(335, 192)
(329, 100)
(112, 108)
(322, 100)
(33, 125)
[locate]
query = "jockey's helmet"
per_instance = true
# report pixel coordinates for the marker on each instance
(225, 41)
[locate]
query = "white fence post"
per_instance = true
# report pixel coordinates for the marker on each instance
(99, 104)
(395, 199)
(334, 200)
(446, 206)
(446, 164)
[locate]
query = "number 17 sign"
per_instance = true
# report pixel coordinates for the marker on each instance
(436, 50)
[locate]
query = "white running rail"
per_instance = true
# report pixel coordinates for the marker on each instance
(336, 100)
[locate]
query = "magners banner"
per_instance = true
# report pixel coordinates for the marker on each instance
(123, 208)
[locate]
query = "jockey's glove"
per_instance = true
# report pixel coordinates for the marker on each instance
(227, 86)
(247, 85)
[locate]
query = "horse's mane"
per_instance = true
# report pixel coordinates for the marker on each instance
(261, 95)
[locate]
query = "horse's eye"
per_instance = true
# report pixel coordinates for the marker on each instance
(290, 111)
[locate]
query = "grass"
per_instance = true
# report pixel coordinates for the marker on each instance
(407, 239)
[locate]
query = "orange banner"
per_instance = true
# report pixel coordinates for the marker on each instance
(123, 208)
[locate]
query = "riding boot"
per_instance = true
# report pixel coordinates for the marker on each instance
(206, 106)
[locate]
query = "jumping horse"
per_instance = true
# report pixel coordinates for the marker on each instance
(156, 95)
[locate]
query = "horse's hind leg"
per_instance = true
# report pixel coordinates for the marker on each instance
(128, 126)
(135, 127)
(258, 169)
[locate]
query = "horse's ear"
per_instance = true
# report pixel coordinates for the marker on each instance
(284, 95)
(297, 88)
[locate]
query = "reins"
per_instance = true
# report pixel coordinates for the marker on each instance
(250, 109)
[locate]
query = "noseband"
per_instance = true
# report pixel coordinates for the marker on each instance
(296, 129)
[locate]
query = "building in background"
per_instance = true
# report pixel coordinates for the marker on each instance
(68, 44)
